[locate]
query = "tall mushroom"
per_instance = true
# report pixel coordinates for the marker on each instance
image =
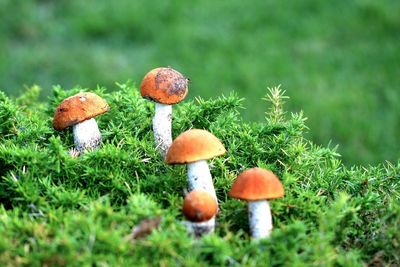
(164, 86)
(199, 207)
(194, 147)
(256, 186)
(79, 111)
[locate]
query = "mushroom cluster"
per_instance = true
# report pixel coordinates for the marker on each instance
(166, 86)
(193, 148)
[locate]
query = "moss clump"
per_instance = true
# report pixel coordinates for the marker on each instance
(64, 211)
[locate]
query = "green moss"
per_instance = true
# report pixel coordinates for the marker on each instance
(64, 211)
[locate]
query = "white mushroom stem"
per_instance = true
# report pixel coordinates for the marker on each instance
(200, 228)
(162, 127)
(260, 218)
(199, 177)
(86, 135)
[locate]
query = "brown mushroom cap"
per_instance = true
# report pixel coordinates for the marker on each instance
(257, 184)
(164, 85)
(78, 108)
(199, 206)
(194, 145)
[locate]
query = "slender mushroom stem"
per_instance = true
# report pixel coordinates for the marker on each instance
(260, 218)
(200, 228)
(162, 127)
(86, 135)
(199, 177)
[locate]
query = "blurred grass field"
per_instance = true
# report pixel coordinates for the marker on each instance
(338, 60)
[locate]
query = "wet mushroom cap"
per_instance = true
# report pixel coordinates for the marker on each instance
(199, 206)
(194, 145)
(164, 85)
(257, 184)
(78, 108)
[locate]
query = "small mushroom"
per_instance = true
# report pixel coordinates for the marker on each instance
(164, 86)
(79, 111)
(199, 207)
(193, 148)
(256, 186)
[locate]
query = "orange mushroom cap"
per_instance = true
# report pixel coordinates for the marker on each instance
(164, 85)
(257, 184)
(194, 145)
(78, 108)
(199, 206)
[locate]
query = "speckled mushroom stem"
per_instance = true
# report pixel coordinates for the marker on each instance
(86, 135)
(199, 177)
(199, 229)
(162, 121)
(260, 218)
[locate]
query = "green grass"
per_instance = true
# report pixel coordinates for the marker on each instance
(338, 59)
(56, 210)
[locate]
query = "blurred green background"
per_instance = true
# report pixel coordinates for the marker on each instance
(338, 60)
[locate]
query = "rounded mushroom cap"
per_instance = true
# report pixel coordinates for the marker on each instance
(199, 206)
(194, 145)
(78, 108)
(257, 184)
(164, 85)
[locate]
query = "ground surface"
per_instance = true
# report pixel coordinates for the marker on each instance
(56, 210)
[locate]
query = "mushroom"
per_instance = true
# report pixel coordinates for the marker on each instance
(199, 207)
(79, 111)
(193, 148)
(164, 86)
(256, 185)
